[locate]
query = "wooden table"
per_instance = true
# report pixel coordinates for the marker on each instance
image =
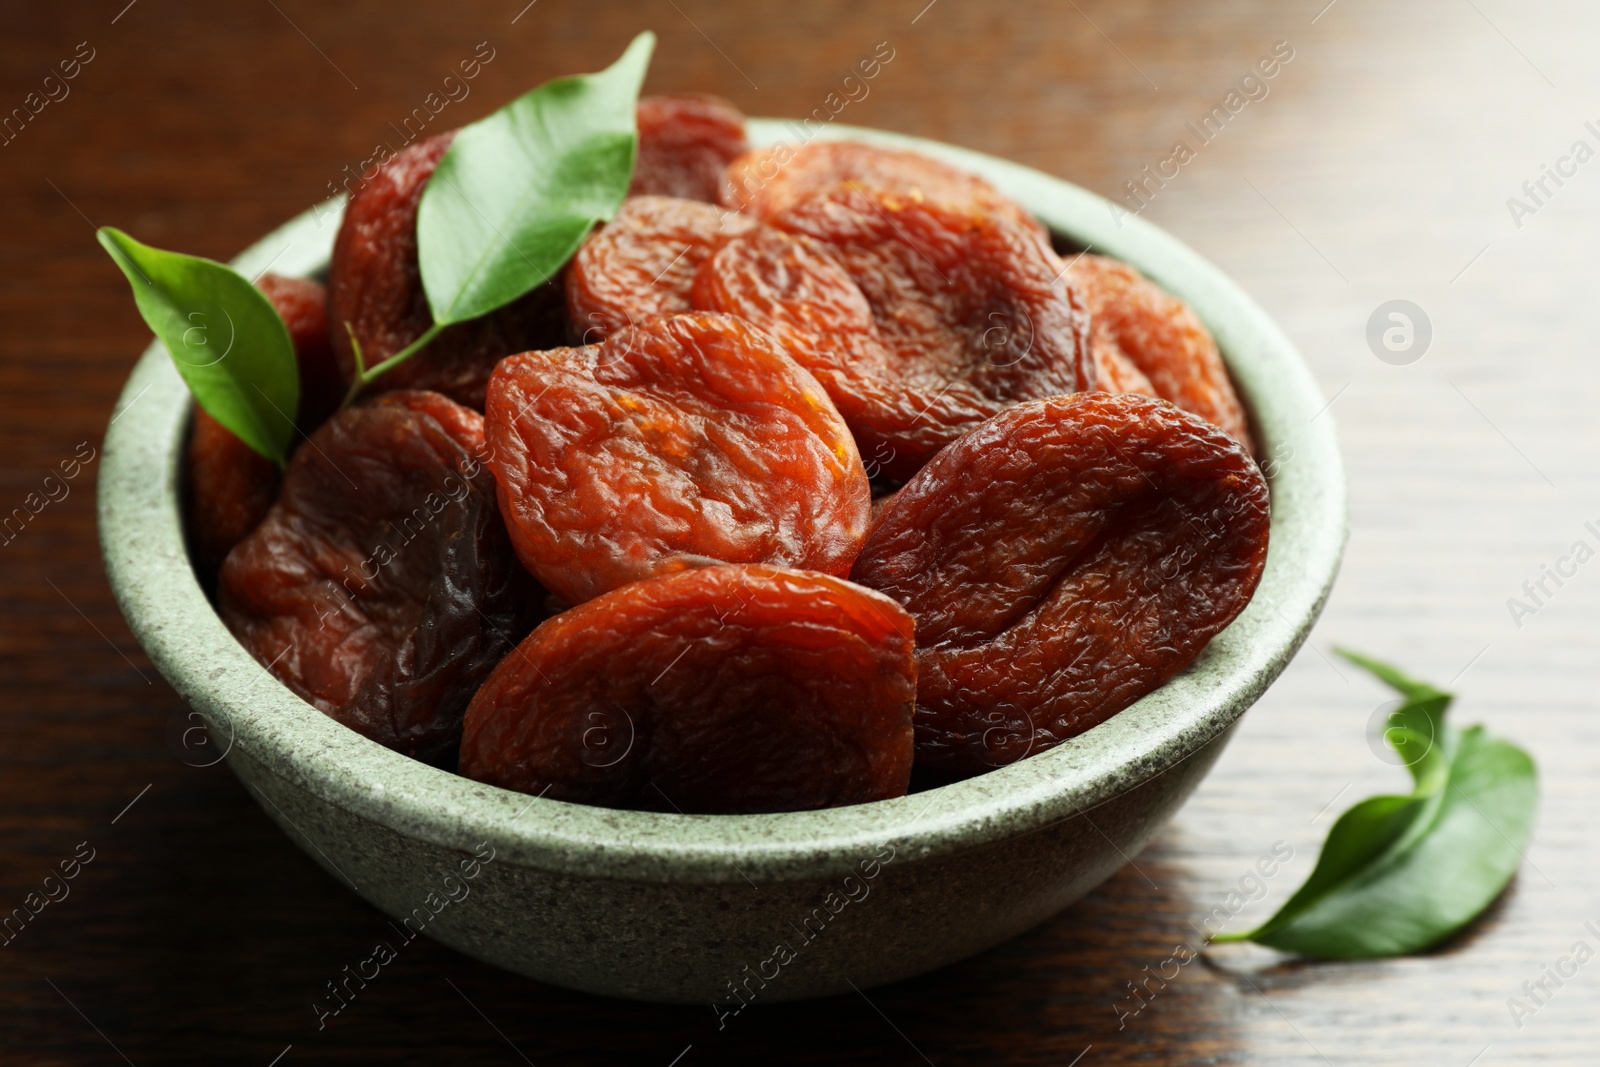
(1376, 167)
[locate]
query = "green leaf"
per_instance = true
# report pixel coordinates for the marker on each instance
(1415, 729)
(518, 191)
(1409, 688)
(1400, 873)
(1358, 839)
(224, 336)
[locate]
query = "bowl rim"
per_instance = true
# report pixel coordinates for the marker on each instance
(257, 718)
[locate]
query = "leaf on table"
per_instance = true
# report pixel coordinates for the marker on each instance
(1416, 728)
(518, 191)
(226, 339)
(1400, 873)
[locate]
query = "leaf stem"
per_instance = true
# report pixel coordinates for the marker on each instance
(365, 377)
(355, 348)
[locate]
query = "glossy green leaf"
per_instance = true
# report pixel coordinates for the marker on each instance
(1416, 729)
(518, 191)
(224, 336)
(1400, 873)
(1406, 686)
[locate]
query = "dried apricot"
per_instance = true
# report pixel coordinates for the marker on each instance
(228, 485)
(303, 306)
(228, 490)
(1162, 337)
(1063, 560)
(677, 443)
(767, 182)
(1114, 372)
(641, 264)
(375, 289)
(381, 586)
(685, 143)
(720, 690)
(921, 319)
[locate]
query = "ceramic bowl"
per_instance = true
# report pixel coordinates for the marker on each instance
(729, 909)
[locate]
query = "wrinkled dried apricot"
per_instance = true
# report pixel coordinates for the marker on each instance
(1162, 337)
(720, 690)
(381, 586)
(1114, 372)
(677, 443)
(228, 485)
(767, 182)
(641, 264)
(303, 306)
(228, 490)
(375, 287)
(921, 319)
(1063, 560)
(685, 143)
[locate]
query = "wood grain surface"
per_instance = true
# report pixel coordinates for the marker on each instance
(1376, 166)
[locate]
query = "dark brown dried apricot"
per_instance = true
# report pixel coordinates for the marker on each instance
(921, 319)
(767, 182)
(1063, 560)
(1162, 337)
(381, 586)
(228, 485)
(720, 690)
(375, 286)
(303, 306)
(685, 143)
(677, 443)
(641, 264)
(228, 490)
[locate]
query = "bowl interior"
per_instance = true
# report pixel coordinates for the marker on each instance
(246, 708)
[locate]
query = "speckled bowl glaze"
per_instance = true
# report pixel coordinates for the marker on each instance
(729, 909)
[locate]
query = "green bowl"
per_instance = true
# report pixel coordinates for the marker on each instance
(726, 909)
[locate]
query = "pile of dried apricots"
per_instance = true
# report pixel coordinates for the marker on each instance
(815, 464)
